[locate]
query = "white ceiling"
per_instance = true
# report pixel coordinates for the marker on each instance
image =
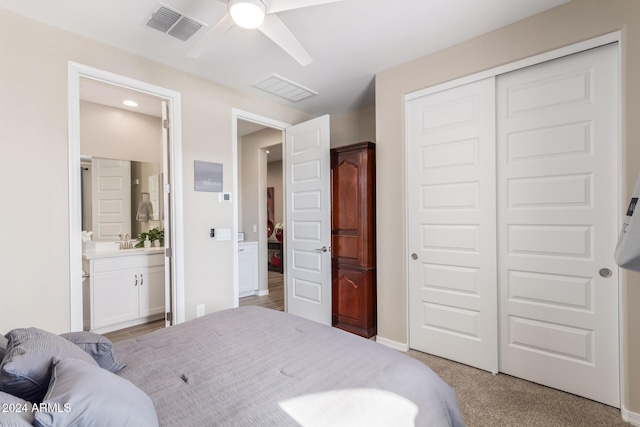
(350, 40)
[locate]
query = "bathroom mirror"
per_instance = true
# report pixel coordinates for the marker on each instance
(120, 197)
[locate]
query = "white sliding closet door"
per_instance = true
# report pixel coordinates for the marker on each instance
(557, 154)
(452, 224)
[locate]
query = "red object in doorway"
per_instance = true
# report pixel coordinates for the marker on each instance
(275, 259)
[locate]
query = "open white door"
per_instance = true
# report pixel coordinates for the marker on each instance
(308, 220)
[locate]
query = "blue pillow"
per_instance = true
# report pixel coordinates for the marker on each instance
(97, 346)
(25, 370)
(86, 395)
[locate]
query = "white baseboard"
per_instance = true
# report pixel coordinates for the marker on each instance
(403, 347)
(631, 417)
(262, 293)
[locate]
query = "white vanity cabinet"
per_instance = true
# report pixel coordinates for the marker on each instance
(123, 290)
(247, 268)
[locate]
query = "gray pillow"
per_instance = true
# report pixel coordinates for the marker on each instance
(3, 346)
(97, 346)
(26, 368)
(94, 397)
(14, 411)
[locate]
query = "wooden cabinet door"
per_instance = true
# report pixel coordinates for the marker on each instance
(354, 300)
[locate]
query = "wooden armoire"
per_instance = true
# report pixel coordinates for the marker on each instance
(353, 238)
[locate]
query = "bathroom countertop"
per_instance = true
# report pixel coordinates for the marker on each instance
(123, 252)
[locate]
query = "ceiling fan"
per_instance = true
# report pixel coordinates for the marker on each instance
(260, 14)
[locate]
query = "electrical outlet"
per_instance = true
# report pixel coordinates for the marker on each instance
(200, 310)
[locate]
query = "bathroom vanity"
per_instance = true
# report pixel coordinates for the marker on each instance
(123, 288)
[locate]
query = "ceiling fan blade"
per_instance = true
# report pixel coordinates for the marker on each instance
(218, 29)
(275, 29)
(281, 5)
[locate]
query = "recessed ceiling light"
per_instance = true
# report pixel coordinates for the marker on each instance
(267, 151)
(130, 103)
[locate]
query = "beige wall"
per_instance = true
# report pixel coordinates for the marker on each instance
(352, 127)
(35, 221)
(112, 133)
(570, 23)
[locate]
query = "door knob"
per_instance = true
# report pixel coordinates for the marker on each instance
(322, 249)
(414, 256)
(605, 272)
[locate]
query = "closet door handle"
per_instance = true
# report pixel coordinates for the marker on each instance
(605, 272)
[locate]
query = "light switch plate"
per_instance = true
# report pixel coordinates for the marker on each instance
(223, 234)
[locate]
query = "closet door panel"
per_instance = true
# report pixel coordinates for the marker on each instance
(557, 163)
(452, 226)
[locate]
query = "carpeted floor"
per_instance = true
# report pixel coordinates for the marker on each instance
(501, 400)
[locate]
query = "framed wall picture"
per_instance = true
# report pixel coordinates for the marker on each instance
(207, 176)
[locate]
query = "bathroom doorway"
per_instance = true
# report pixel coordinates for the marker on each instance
(155, 185)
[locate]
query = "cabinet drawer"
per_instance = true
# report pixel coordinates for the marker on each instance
(127, 261)
(248, 248)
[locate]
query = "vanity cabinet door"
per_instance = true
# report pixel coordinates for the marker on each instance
(151, 291)
(114, 297)
(247, 269)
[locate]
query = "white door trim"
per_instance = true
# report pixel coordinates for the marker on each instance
(75, 72)
(614, 37)
(237, 114)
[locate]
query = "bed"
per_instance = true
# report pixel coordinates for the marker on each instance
(251, 366)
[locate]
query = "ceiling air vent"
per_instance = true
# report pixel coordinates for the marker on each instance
(279, 86)
(173, 23)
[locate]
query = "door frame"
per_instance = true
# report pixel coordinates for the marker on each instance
(237, 114)
(75, 72)
(614, 37)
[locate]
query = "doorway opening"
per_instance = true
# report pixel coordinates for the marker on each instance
(261, 209)
(157, 186)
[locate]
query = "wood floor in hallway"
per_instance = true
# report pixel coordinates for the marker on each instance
(274, 300)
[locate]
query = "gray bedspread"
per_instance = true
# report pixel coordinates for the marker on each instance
(250, 366)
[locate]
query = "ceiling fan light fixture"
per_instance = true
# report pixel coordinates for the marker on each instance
(247, 13)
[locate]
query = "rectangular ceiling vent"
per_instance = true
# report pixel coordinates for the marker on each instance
(279, 86)
(173, 23)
